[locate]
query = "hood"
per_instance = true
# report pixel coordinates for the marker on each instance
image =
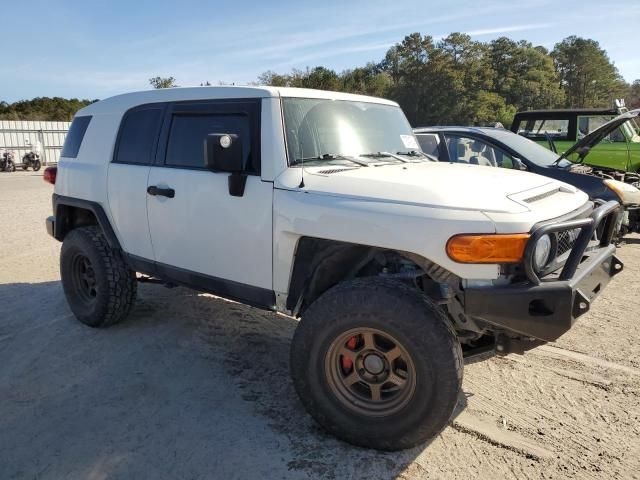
(439, 185)
(584, 145)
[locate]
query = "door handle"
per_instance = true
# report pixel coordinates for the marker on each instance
(162, 192)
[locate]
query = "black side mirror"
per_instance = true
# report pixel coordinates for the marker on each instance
(223, 153)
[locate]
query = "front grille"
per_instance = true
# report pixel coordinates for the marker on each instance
(565, 241)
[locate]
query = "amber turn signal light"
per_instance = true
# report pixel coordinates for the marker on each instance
(487, 248)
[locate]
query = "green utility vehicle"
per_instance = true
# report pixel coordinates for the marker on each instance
(560, 130)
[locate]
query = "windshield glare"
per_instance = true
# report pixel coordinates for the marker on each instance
(317, 127)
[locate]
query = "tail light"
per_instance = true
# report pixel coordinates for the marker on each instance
(50, 175)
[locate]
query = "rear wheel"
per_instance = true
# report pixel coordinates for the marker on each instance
(377, 364)
(99, 286)
(11, 167)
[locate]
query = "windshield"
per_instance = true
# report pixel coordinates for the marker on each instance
(324, 130)
(526, 148)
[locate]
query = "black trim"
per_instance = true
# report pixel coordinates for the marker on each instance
(62, 225)
(543, 308)
(240, 292)
(75, 136)
(548, 310)
(607, 213)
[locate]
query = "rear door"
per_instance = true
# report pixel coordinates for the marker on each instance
(202, 235)
(134, 152)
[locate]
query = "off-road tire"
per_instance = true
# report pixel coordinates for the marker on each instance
(422, 329)
(115, 283)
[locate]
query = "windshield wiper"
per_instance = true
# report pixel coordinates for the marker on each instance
(413, 153)
(328, 157)
(384, 155)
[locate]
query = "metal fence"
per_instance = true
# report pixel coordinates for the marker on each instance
(45, 138)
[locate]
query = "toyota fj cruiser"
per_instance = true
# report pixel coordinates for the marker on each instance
(321, 206)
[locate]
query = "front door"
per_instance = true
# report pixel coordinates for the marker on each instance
(201, 234)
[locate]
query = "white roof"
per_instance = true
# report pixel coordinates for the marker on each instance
(121, 103)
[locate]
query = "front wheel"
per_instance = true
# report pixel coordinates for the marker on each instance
(98, 284)
(377, 364)
(36, 165)
(11, 167)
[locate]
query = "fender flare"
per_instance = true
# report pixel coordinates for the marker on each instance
(63, 226)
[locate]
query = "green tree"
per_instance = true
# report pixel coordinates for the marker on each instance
(524, 75)
(43, 108)
(162, 82)
(633, 97)
(367, 80)
(587, 75)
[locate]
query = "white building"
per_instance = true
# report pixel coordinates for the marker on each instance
(45, 138)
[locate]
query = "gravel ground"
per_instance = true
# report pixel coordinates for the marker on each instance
(192, 386)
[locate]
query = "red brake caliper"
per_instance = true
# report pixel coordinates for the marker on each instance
(347, 364)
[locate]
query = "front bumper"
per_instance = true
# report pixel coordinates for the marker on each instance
(546, 308)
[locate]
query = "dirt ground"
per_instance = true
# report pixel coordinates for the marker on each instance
(192, 386)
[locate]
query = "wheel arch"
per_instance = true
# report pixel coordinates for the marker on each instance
(72, 213)
(320, 264)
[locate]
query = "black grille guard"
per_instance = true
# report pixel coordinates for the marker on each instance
(606, 213)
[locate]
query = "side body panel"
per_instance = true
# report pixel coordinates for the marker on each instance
(416, 229)
(85, 177)
(127, 195)
(203, 229)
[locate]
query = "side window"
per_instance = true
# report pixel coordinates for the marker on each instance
(188, 134)
(429, 143)
(476, 152)
(74, 136)
(138, 136)
(586, 125)
(538, 129)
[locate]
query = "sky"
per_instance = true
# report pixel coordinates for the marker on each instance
(95, 49)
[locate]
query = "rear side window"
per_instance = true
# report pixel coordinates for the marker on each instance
(538, 129)
(74, 136)
(185, 147)
(138, 136)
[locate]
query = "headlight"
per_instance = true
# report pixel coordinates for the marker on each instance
(625, 192)
(542, 253)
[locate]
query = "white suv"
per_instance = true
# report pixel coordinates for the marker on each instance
(320, 205)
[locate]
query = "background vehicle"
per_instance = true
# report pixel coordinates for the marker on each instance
(500, 148)
(7, 162)
(320, 205)
(31, 160)
(618, 150)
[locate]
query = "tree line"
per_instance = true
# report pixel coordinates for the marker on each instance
(43, 108)
(455, 80)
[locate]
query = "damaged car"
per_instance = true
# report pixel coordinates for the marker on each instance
(498, 147)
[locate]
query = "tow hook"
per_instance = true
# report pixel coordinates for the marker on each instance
(506, 345)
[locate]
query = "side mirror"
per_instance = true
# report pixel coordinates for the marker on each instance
(223, 153)
(518, 165)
